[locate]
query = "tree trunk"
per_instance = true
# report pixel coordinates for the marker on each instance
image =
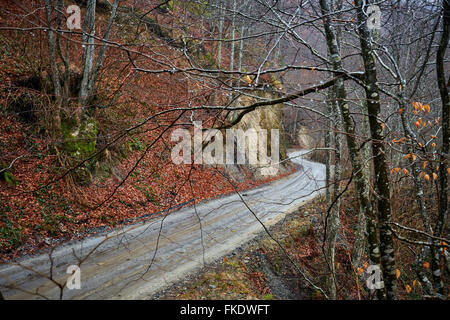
(378, 151)
(440, 228)
(241, 46)
(88, 55)
(233, 44)
(101, 55)
(333, 189)
(54, 71)
(361, 229)
(418, 188)
(219, 43)
(361, 182)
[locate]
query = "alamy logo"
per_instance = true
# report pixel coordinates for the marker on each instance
(374, 281)
(74, 280)
(74, 20)
(240, 145)
(374, 17)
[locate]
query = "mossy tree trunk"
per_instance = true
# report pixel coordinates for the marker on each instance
(379, 155)
(360, 177)
(442, 222)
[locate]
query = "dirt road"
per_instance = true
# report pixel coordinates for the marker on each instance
(139, 260)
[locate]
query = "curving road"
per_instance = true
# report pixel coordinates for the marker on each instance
(124, 264)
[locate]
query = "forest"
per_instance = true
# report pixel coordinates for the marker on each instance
(225, 149)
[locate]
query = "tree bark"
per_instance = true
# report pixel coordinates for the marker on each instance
(101, 55)
(379, 154)
(361, 182)
(219, 43)
(420, 199)
(54, 71)
(361, 229)
(445, 116)
(88, 54)
(333, 191)
(233, 44)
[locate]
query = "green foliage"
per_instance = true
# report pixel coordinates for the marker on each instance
(268, 296)
(79, 143)
(80, 140)
(10, 233)
(148, 192)
(136, 144)
(130, 205)
(200, 7)
(7, 176)
(51, 202)
(170, 5)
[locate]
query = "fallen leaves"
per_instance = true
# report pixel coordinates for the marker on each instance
(407, 288)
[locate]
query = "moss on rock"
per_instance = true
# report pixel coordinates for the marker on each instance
(80, 140)
(79, 143)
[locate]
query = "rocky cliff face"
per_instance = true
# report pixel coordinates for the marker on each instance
(311, 139)
(260, 123)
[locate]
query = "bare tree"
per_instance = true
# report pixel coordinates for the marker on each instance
(445, 149)
(381, 171)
